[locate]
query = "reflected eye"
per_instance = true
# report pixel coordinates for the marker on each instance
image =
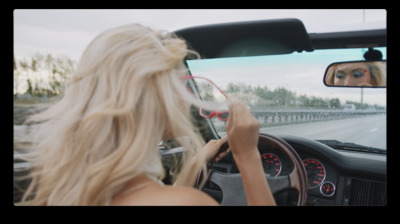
(358, 74)
(340, 75)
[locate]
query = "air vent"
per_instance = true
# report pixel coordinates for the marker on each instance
(367, 193)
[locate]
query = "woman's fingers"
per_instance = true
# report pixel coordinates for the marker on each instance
(242, 127)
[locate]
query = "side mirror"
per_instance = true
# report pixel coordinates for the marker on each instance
(356, 74)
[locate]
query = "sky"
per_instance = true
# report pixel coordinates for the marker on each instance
(68, 32)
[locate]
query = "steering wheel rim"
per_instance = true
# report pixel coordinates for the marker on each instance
(231, 183)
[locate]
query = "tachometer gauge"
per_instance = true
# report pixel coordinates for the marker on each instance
(272, 164)
(315, 172)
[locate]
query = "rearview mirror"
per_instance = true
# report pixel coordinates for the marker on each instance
(356, 74)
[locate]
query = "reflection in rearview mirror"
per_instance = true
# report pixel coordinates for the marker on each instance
(356, 74)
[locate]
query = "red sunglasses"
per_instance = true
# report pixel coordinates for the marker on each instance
(221, 115)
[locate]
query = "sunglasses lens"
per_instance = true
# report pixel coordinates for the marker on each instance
(224, 115)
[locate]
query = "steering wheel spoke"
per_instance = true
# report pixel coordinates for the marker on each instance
(231, 186)
(278, 184)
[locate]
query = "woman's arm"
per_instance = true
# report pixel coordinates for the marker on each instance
(243, 132)
(242, 129)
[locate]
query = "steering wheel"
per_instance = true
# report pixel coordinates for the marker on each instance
(231, 183)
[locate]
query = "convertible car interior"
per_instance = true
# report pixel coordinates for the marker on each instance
(300, 171)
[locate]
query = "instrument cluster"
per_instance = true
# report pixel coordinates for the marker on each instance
(321, 176)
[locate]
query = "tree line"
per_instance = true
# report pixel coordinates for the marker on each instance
(262, 97)
(42, 75)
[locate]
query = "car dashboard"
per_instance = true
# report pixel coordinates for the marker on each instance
(340, 178)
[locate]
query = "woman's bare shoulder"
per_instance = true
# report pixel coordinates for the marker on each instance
(166, 195)
(179, 195)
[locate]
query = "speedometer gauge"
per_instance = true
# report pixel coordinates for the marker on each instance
(272, 164)
(315, 172)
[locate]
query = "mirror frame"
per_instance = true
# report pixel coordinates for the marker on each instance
(343, 62)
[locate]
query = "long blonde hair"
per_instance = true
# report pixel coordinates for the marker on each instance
(126, 92)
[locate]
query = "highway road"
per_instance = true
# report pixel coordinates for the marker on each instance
(367, 130)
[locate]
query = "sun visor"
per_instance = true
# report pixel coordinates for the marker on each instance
(250, 38)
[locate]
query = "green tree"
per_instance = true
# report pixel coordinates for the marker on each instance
(335, 103)
(16, 77)
(284, 97)
(304, 101)
(318, 103)
(59, 68)
(232, 88)
(261, 92)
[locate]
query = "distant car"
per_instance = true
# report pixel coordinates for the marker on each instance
(349, 107)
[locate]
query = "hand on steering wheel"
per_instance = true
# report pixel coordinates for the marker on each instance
(250, 186)
(231, 184)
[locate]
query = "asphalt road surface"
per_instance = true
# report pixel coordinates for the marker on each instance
(367, 130)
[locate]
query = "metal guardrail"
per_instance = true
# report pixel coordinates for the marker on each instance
(285, 117)
(294, 116)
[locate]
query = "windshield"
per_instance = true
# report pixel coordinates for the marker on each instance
(287, 95)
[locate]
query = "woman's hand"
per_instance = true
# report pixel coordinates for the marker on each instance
(242, 129)
(211, 150)
(206, 154)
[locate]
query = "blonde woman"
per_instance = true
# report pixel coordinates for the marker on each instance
(357, 74)
(99, 144)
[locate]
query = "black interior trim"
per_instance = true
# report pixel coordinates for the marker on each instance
(250, 38)
(350, 39)
(270, 37)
